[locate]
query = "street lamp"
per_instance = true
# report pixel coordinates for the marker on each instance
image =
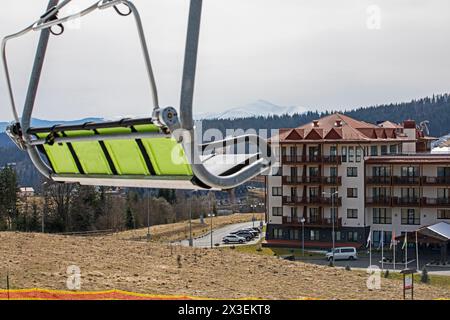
(302, 220)
(148, 216)
(332, 196)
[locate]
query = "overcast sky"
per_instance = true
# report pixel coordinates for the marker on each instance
(318, 54)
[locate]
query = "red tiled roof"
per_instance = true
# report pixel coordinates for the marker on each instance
(336, 127)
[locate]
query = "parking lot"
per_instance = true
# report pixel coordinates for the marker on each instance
(219, 234)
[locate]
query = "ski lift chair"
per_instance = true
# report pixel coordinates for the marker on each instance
(157, 152)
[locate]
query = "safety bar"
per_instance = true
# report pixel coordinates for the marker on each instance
(103, 137)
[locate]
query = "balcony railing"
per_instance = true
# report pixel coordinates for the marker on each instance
(312, 180)
(313, 221)
(312, 159)
(379, 180)
(436, 180)
(379, 201)
(435, 202)
(406, 180)
(320, 201)
(406, 201)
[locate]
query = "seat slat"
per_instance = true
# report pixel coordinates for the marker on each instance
(125, 154)
(59, 156)
(90, 154)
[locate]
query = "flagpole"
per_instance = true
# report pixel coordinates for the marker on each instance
(394, 244)
(417, 252)
(382, 250)
(406, 250)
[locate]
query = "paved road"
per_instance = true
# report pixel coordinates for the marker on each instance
(363, 263)
(205, 242)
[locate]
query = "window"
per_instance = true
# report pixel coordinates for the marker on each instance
(314, 235)
(351, 154)
(352, 236)
(443, 172)
(293, 151)
(352, 213)
(283, 151)
(410, 216)
(352, 172)
(338, 236)
(443, 193)
(277, 191)
(344, 154)
(314, 215)
(358, 154)
(384, 237)
(314, 192)
(277, 211)
(381, 172)
(278, 233)
(384, 150)
(410, 171)
(277, 171)
(380, 193)
(294, 234)
(333, 172)
(382, 216)
(313, 171)
(352, 193)
(374, 151)
(294, 212)
(333, 151)
(443, 214)
(393, 149)
(334, 214)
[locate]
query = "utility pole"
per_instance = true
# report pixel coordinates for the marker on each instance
(191, 241)
(332, 195)
(148, 216)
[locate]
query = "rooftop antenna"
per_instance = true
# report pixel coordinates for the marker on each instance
(424, 127)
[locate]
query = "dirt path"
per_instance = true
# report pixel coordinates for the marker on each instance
(36, 260)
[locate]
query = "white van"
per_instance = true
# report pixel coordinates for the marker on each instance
(344, 253)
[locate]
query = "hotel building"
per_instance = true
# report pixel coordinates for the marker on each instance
(357, 176)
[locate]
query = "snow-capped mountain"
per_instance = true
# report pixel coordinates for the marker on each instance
(259, 108)
(442, 145)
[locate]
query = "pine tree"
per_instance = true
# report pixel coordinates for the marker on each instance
(130, 222)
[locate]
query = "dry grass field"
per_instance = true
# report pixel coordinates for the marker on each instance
(110, 262)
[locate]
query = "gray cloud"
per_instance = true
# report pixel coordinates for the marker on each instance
(312, 53)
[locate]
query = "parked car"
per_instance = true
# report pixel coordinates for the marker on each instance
(232, 238)
(343, 253)
(254, 232)
(244, 234)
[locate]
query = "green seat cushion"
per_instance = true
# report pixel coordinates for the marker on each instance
(90, 154)
(125, 154)
(167, 156)
(59, 156)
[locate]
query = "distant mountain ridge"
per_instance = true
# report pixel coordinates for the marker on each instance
(50, 123)
(259, 108)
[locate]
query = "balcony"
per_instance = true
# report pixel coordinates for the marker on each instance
(319, 201)
(312, 159)
(313, 222)
(406, 202)
(379, 180)
(406, 181)
(379, 202)
(436, 202)
(312, 180)
(436, 181)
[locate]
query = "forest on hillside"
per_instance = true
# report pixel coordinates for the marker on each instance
(435, 109)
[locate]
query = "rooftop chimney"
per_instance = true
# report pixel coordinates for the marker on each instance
(316, 123)
(338, 123)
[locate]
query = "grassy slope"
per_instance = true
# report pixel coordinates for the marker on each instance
(36, 260)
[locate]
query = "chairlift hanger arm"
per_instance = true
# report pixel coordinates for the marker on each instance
(49, 20)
